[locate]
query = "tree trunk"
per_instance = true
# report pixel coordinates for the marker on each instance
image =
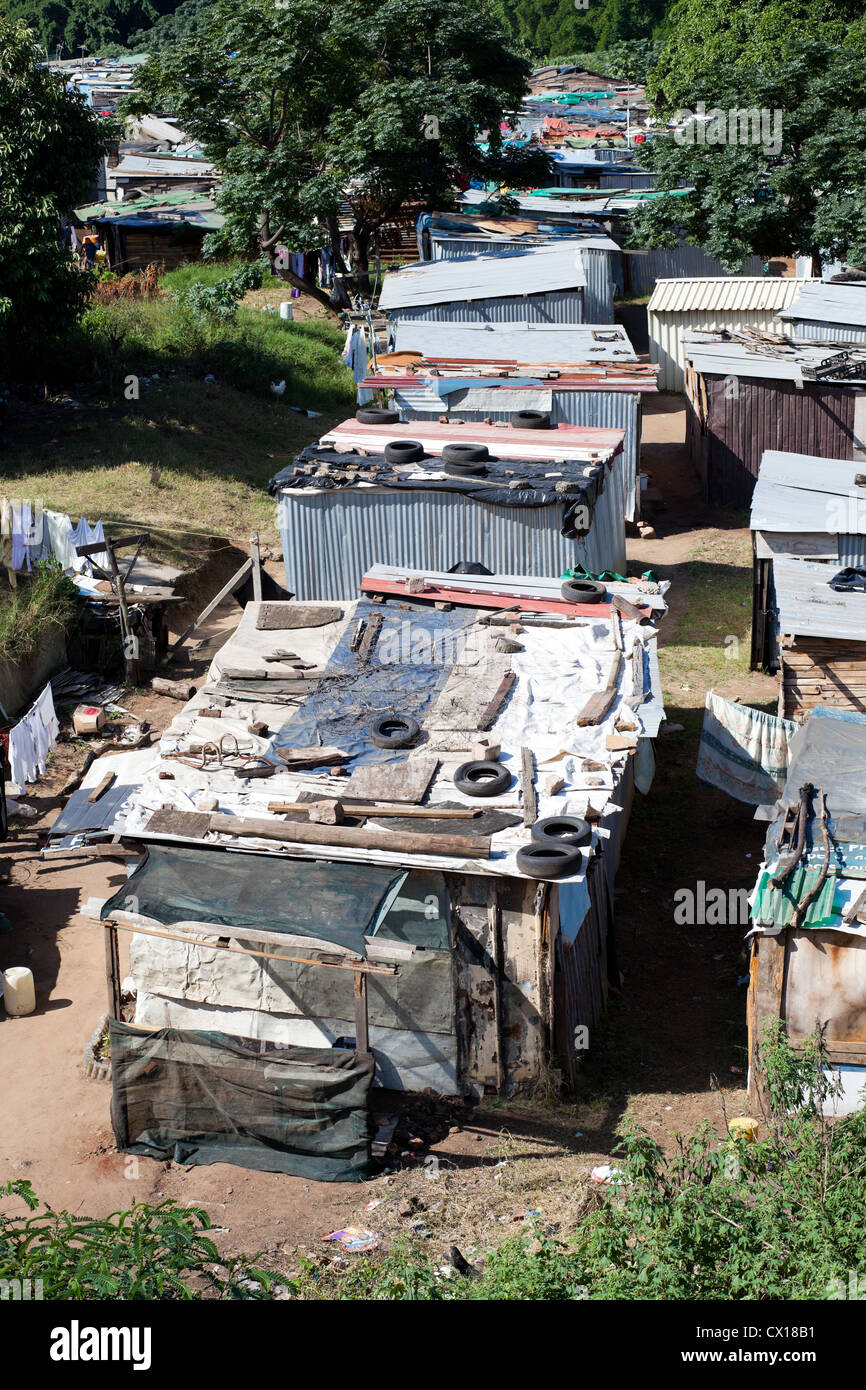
(361, 238)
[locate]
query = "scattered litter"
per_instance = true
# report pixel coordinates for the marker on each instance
(375, 1203)
(607, 1175)
(355, 1239)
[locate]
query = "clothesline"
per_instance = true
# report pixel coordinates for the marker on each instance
(31, 740)
(30, 533)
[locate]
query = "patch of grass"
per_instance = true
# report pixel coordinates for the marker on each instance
(47, 600)
(711, 640)
(168, 419)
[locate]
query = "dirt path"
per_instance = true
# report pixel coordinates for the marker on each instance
(676, 1022)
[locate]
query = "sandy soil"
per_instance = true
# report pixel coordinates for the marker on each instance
(676, 1023)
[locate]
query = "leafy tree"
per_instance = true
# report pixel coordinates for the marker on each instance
(50, 146)
(800, 187)
(306, 102)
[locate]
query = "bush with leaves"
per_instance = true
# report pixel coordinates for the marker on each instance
(147, 1252)
(220, 299)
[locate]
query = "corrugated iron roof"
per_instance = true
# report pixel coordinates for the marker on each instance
(723, 295)
(564, 442)
(522, 342)
(739, 359)
(808, 607)
(829, 304)
(799, 492)
(547, 268)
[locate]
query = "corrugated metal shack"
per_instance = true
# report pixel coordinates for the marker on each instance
(443, 239)
(587, 375)
(357, 899)
(545, 285)
(812, 508)
(745, 396)
(715, 303)
(808, 959)
(828, 313)
(545, 501)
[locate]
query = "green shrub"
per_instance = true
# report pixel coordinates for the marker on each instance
(147, 1252)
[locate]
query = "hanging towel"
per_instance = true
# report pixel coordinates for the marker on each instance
(58, 538)
(22, 756)
(6, 533)
(22, 521)
(45, 706)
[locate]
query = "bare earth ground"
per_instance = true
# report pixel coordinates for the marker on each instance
(668, 1055)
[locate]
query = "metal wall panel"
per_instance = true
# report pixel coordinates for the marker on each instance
(560, 306)
(812, 330)
(331, 538)
(667, 348)
(816, 419)
(608, 409)
(687, 262)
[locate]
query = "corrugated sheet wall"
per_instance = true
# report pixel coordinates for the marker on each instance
(331, 538)
(560, 306)
(814, 331)
(603, 270)
(689, 262)
(625, 180)
(619, 410)
(763, 415)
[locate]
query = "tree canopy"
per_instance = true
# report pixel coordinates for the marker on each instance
(304, 103)
(795, 184)
(50, 145)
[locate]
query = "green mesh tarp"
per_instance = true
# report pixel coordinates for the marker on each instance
(301, 897)
(199, 1098)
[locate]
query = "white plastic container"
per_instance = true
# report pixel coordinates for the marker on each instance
(19, 991)
(286, 311)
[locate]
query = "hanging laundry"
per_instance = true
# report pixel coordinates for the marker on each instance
(31, 740)
(45, 706)
(85, 534)
(6, 533)
(57, 530)
(355, 356)
(22, 525)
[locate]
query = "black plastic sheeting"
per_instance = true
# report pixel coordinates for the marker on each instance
(301, 897)
(348, 469)
(397, 677)
(199, 1098)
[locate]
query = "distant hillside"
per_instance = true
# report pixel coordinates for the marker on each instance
(544, 28)
(95, 24)
(551, 29)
